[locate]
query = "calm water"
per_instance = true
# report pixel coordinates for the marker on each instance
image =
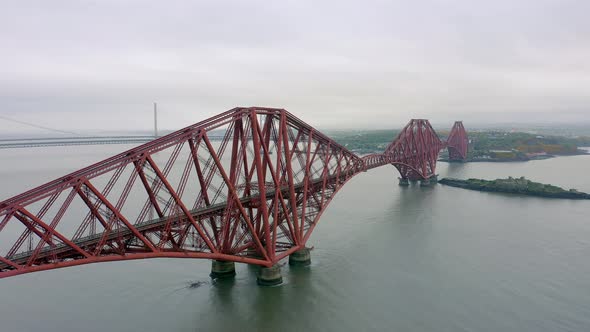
(386, 259)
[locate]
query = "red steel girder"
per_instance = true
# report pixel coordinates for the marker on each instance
(253, 196)
(457, 142)
(415, 150)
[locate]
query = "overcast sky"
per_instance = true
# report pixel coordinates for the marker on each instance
(98, 65)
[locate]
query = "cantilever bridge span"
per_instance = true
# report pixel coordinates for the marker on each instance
(253, 197)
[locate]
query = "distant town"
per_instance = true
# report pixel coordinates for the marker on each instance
(484, 144)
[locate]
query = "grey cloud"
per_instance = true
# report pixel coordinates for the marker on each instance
(334, 63)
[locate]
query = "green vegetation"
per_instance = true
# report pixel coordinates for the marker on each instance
(364, 141)
(485, 145)
(516, 186)
(508, 146)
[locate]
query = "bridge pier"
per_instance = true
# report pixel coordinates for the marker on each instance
(404, 182)
(300, 257)
(430, 181)
(425, 183)
(269, 276)
(222, 269)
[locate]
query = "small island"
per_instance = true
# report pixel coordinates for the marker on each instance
(512, 185)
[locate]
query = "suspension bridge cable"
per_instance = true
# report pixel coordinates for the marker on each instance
(40, 127)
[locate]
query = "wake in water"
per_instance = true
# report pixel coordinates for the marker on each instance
(192, 285)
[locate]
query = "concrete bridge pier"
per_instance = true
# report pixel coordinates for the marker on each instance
(300, 257)
(425, 183)
(404, 182)
(414, 181)
(430, 181)
(269, 276)
(222, 269)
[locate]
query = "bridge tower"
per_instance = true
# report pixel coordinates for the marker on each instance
(414, 152)
(457, 142)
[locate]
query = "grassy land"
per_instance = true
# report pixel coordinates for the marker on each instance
(364, 141)
(521, 146)
(485, 145)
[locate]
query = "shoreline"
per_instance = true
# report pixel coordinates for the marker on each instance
(497, 160)
(520, 186)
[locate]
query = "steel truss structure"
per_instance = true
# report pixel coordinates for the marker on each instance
(457, 142)
(255, 196)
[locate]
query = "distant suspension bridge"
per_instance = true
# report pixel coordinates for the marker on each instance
(76, 139)
(93, 140)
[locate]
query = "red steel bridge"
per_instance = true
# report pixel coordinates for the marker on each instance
(253, 197)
